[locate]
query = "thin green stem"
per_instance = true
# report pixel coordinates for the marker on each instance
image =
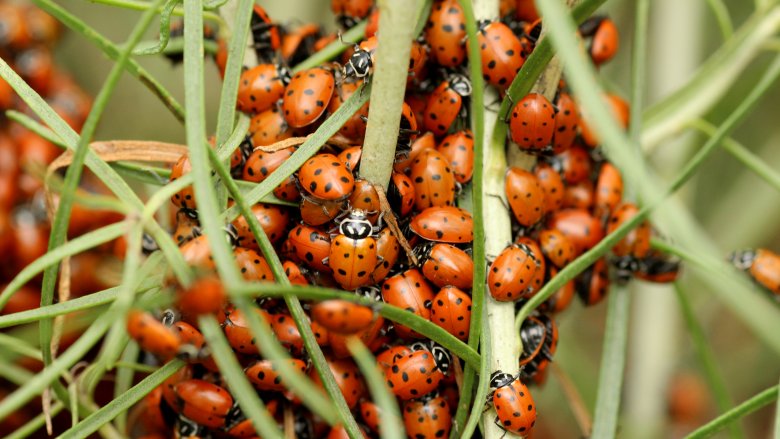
(165, 30)
(722, 16)
(638, 68)
(35, 424)
(707, 358)
(19, 346)
(482, 389)
(136, 367)
(124, 378)
(751, 405)
(137, 5)
(613, 361)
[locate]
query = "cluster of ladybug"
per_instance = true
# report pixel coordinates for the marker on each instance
(27, 39)
(337, 237)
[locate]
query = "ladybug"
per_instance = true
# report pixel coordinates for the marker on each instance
(445, 104)
(552, 186)
(348, 378)
(350, 12)
(325, 177)
(14, 32)
(510, 276)
(451, 309)
(445, 33)
(365, 198)
(338, 342)
(260, 87)
(307, 96)
(287, 332)
(342, 316)
(562, 298)
(458, 148)
(444, 224)
(185, 198)
(360, 63)
(604, 38)
(761, 264)
(634, 246)
(538, 280)
(574, 164)
(515, 409)
(567, 119)
(152, 335)
(264, 376)
(204, 296)
(311, 246)
(296, 274)
(238, 425)
(354, 129)
(445, 264)
(579, 196)
(658, 268)
(608, 192)
(387, 357)
(203, 402)
(532, 123)
(153, 419)
(401, 194)
(414, 375)
(265, 33)
(583, 229)
(261, 164)
(403, 162)
(433, 180)
(319, 212)
(501, 53)
(525, 196)
(253, 267)
(407, 132)
(351, 157)
(298, 43)
(36, 66)
(273, 220)
(620, 111)
(525, 10)
(288, 190)
(557, 248)
(539, 335)
(593, 283)
(353, 253)
(371, 415)
(387, 251)
(237, 331)
(427, 418)
(410, 291)
(187, 226)
(268, 127)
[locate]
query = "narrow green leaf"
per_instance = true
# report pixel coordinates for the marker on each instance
(109, 411)
(36, 423)
(482, 389)
(252, 406)
(638, 68)
(751, 405)
(19, 346)
(139, 5)
(613, 361)
(392, 424)
(124, 380)
(165, 30)
(721, 13)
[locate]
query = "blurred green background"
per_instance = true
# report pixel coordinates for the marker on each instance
(737, 208)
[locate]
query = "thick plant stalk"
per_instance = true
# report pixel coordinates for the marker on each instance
(389, 84)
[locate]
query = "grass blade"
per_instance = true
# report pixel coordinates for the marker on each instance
(380, 393)
(240, 387)
(124, 380)
(482, 389)
(613, 360)
(109, 411)
(762, 399)
(638, 69)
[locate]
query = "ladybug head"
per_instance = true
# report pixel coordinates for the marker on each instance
(743, 259)
(168, 317)
(482, 24)
(370, 292)
(234, 416)
(284, 73)
(187, 427)
(625, 267)
(148, 244)
(423, 251)
(460, 84)
(359, 64)
(420, 346)
(528, 252)
(656, 265)
(500, 379)
(441, 357)
(356, 225)
(232, 235)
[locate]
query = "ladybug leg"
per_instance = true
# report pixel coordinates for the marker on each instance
(500, 198)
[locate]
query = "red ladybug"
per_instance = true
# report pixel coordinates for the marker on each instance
(260, 87)
(552, 186)
(325, 177)
(387, 251)
(445, 33)
(557, 248)
(567, 119)
(348, 378)
(288, 190)
(317, 213)
(350, 12)
(311, 245)
(532, 123)
(151, 335)
(365, 198)
(540, 341)
(351, 157)
(264, 376)
(273, 219)
(401, 194)
(538, 280)
(510, 276)
(353, 253)
(604, 38)
(197, 253)
(414, 375)
(298, 43)
(287, 332)
(410, 291)
(458, 148)
(295, 274)
(403, 162)
(451, 310)
(525, 10)
(433, 180)
(203, 402)
(525, 196)
(635, 245)
(620, 111)
(445, 104)
(261, 164)
(237, 331)
(265, 33)
(593, 283)
(185, 198)
(205, 296)
(354, 129)
(338, 342)
(658, 268)
(371, 415)
(609, 190)
(574, 164)
(444, 224)
(579, 196)
(515, 408)
(342, 316)
(501, 53)
(253, 267)
(268, 127)
(583, 229)
(387, 357)
(562, 298)
(427, 418)
(444, 264)
(763, 265)
(307, 96)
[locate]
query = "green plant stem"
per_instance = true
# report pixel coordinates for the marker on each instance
(124, 379)
(251, 405)
(613, 360)
(165, 31)
(380, 393)
(707, 358)
(113, 52)
(741, 153)
(762, 399)
(387, 96)
(332, 50)
(721, 13)
(137, 5)
(19, 346)
(482, 389)
(390, 312)
(638, 68)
